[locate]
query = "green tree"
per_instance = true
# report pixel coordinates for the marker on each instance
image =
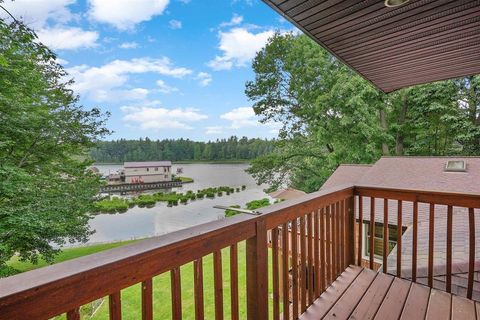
(46, 191)
(331, 115)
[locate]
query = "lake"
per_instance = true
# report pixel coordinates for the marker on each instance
(146, 222)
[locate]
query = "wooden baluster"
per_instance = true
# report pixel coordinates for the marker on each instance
(275, 275)
(343, 250)
(328, 250)
(285, 255)
(73, 314)
(115, 306)
(257, 272)
(234, 282)
(431, 233)
(337, 236)
(385, 234)
(176, 291)
(316, 249)
(449, 248)
(295, 274)
(334, 241)
(147, 307)
(310, 258)
(360, 230)
(414, 242)
(218, 284)
(372, 230)
(350, 216)
(303, 256)
(471, 251)
(399, 238)
(323, 263)
(198, 288)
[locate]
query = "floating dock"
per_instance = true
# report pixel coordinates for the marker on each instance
(126, 187)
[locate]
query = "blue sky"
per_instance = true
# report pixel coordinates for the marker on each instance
(164, 69)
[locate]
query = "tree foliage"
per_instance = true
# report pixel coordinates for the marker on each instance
(331, 115)
(45, 190)
(180, 150)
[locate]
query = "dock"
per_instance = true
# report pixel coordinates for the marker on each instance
(126, 187)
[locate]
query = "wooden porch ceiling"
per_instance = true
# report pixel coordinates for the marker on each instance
(419, 42)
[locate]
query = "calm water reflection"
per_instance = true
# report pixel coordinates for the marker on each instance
(145, 222)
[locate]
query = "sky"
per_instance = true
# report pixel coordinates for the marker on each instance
(163, 68)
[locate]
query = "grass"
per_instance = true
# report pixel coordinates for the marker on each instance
(131, 296)
(66, 254)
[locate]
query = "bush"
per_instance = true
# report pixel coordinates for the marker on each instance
(220, 193)
(255, 204)
(184, 200)
(230, 213)
(210, 195)
(244, 187)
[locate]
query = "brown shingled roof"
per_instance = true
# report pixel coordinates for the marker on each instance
(346, 174)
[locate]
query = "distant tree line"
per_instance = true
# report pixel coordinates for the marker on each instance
(146, 149)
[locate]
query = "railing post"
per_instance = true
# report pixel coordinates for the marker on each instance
(351, 230)
(257, 274)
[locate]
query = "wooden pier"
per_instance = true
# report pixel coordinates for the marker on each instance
(126, 187)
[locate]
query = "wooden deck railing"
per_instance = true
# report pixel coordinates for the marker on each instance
(437, 208)
(312, 240)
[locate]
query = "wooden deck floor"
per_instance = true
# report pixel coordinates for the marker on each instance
(360, 293)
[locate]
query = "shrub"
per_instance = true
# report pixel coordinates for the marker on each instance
(230, 213)
(244, 187)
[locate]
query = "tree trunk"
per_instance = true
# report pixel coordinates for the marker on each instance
(383, 124)
(399, 141)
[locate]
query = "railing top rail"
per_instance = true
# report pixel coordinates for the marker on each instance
(467, 200)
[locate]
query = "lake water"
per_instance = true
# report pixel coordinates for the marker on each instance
(146, 222)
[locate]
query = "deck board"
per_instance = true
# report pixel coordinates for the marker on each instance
(417, 302)
(439, 305)
(345, 305)
(371, 301)
(360, 293)
(392, 305)
(463, 309)
(322, 305)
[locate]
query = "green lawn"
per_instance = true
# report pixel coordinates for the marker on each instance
(66, 254)
(131, 297)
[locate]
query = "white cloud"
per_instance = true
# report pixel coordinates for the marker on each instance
(241, 117)
(214, 130)
(204, 78)
(238, 47)
(41, 15)
(36, 14)
(236, 19)
(152, 118)
(98, 83)
(125, 14)
(128, 45)
(67, 38)
(165, 88)
(61, 61)
(175, 24)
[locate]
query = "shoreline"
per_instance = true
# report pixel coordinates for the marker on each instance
(240, 161)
